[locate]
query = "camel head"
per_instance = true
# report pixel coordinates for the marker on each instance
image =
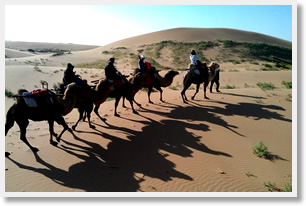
(171, 74)
(213, 65)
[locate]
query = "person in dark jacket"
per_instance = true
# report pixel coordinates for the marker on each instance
(141, 63)
(111, 73)
(70, 76)
(215, 80)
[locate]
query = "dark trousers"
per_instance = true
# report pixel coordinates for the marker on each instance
(212, 83)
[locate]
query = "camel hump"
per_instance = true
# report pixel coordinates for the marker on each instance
(21, 91)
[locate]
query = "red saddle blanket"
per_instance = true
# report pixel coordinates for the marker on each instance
(40, 92)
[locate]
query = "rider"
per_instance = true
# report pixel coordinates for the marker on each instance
(141, 63)
(112, 74)
(194, 64)
(70, 76)
(145, 66)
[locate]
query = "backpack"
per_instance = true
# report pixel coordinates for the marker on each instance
(148, 65)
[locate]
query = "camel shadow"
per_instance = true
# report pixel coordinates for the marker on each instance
(125, 163)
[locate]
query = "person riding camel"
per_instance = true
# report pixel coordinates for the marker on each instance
(113, 76)
(145, 66)
(194, 64)
(70, 76)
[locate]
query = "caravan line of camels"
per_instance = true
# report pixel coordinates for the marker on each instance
(53, 107)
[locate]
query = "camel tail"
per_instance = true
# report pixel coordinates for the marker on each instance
(9, 119)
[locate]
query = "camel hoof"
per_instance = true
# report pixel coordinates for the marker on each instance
(206, 97)
(53, 143)
(135, 112)
(192, 98)
(139, 105)
(7, 154)
(55, 135)
(73, 127)
(151, 102)
(92, 126)
(117, 115)
(70, 130)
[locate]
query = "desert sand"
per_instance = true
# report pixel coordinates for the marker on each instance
(203, 146)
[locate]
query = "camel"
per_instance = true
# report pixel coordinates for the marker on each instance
(128, 89)
(158, 83)
(21, 113)
(205, 77)
(84, 103)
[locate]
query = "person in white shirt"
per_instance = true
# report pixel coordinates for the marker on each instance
(193, 58)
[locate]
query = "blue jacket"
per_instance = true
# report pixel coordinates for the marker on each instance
(141, 65)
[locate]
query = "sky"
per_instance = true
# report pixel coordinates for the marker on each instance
(104, 24)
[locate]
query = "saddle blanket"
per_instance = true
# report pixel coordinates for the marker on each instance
(30, 100)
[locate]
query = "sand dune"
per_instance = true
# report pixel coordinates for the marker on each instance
(24, 46)
(200, 34)
(203, 146)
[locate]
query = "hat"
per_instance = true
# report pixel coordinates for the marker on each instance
(112, 59)
(142, 56)
(193, 52)
(70, 66)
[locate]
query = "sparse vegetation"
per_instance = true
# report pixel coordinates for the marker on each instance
(288, 188)
(8, 92)
(234, 70)
(288, 85)
(261, 150)
(229, 87)
(58, 53)
(97, 64)
(289, 98)
(234, 61)
(269, 69)
(273, 188)
(36, 68)
(172, 87)
(265, 86)
(249, 174)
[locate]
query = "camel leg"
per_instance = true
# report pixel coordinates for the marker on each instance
(149, 94)
(205, 85)
(88, 117)
(51, 130)
(116, 105)
(160, 94)
(9, 123)
(184, 97)
(139, 105)
(96, 110)
(81, 111)
(197, 90)
(23, 129)
(60, 120)
(84, 115)
(123, 104)
(132, 106)
(211, 86)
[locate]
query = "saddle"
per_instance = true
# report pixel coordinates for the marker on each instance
(38, 97)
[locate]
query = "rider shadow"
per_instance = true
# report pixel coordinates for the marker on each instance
(196, 113)
(246, 109)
